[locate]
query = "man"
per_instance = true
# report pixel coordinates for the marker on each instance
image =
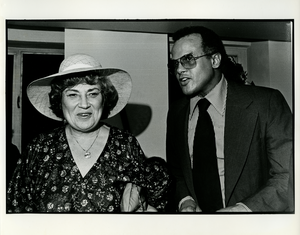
(253, 132)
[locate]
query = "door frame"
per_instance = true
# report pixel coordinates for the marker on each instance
(17, 87)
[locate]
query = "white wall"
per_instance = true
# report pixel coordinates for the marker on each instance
(258, 63)
(270, 65)
(281, 68)
(144, 57)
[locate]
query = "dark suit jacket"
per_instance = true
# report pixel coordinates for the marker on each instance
(258, 148)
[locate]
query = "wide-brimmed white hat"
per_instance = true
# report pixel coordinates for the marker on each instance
(38, 90)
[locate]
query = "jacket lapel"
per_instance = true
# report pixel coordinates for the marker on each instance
(240, 121)
(182, 145)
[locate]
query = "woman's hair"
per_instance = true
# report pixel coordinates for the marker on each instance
(108, 91)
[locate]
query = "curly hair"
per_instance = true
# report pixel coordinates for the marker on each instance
(108, 91)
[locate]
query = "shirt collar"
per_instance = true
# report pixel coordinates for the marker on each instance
(217, 97)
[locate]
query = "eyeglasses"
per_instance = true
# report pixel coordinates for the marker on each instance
(187, 61)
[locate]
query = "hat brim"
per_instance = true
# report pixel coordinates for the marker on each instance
(38, 90)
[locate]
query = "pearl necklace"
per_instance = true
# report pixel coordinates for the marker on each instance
(87, 153)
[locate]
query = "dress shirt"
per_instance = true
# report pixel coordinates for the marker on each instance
(217, 99)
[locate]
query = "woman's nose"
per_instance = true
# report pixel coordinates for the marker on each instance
(84, 103)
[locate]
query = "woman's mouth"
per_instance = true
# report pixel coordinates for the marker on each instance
(84, 115)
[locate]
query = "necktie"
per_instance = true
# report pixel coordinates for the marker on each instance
(205, 167)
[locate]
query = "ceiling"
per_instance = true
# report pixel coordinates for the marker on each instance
(238, 30)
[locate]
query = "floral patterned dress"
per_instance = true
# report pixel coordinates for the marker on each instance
(47, 178)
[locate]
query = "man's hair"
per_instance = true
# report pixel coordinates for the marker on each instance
(211, 43)
(108, 91)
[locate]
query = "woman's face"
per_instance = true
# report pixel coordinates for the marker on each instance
(82, 106)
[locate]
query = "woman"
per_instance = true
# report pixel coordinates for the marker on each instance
(85, 165)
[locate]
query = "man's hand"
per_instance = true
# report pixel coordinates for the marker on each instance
(236, 208)
(189, 206)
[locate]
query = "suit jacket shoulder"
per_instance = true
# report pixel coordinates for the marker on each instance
(258, 137)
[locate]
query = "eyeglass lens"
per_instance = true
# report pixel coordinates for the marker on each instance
(187, 61)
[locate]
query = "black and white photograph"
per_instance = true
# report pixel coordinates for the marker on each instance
(149, 123)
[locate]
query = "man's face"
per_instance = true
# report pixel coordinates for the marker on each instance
(201, 79)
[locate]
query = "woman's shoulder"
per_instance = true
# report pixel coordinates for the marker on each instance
(118, 132)
(122, 136)
(49, 136)
(46, 144)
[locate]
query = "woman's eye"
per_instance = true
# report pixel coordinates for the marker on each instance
(94, 94)
(71, 95)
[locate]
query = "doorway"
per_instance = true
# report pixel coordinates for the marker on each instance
(36, 66)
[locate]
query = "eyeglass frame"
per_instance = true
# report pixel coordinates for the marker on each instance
(179, 60)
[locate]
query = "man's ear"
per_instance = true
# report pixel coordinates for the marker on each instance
(216, 60)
